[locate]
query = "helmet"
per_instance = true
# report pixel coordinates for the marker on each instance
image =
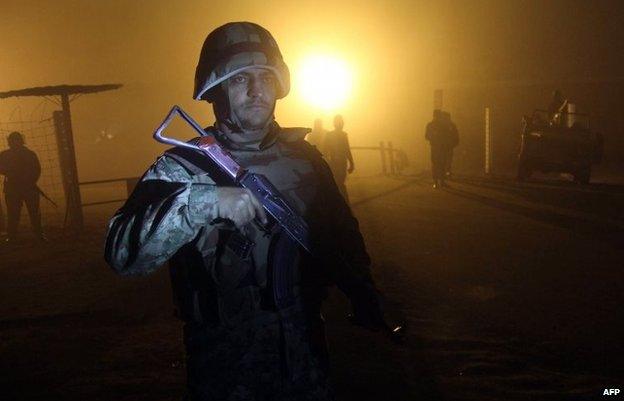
(235, 47)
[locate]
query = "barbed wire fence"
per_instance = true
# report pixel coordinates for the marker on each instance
(39, 134)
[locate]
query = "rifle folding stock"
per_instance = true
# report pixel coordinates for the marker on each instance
(272, 201)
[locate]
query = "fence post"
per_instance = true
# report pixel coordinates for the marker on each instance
(570, 115)
(69, 169)
(382, 150)
(488, 142)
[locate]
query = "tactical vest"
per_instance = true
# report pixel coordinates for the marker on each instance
(225, 277)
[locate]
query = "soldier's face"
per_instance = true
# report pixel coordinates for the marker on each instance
(252, 95)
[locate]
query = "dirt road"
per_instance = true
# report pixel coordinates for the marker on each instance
(510, 292)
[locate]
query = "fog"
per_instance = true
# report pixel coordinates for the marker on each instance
(508, 289)
(400, 51)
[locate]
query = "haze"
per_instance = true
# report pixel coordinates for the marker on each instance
(400, 52)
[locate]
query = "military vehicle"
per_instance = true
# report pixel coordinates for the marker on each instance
(561, 143)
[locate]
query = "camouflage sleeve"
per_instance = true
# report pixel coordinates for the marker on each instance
(350, 241)
(166, 210)
(353, 276)
(345, 230)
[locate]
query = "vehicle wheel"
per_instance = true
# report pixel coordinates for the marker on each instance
(583, 176)
(524, 171)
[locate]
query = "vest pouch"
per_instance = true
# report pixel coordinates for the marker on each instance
(238, 305)
(232, 261)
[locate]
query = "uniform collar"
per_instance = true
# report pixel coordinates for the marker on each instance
(235, 141)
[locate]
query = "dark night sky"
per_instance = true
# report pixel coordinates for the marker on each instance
(532, 40)
(460, 40)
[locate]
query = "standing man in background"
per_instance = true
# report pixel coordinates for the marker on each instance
(442, 139)
(338, 154)
(21, 169)
(316, 137)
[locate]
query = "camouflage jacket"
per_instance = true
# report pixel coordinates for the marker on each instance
(171, 216)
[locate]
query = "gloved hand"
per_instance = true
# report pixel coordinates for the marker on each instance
(239, 205)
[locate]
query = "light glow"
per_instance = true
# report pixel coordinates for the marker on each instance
(325, 82)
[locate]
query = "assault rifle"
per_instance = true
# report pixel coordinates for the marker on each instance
(270, 198)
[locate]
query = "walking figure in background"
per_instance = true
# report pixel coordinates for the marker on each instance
(316, 137)
(338, 154)
(21, 169)
(454, 141)
(442, 140)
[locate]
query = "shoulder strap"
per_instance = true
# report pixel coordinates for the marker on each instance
(314, 156)
(197, 163)
(188, 159)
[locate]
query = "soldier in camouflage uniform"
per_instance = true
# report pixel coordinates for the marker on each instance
(243, 343)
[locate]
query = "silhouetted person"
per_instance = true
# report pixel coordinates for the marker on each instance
(316, 137)
(338, 154)
(2, 222)
(453, 138)
(556, 107)
(21, 169)
(442, 140)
